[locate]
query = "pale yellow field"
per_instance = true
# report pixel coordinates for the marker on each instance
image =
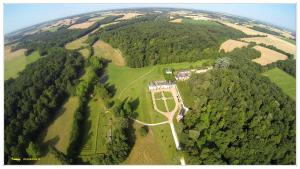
(82, 25)
(129, 15)
(102, 49)
(231, 44)
(268, 56)
(244, 29)
(97, 18)
(8, 55)
(179, 20)
(277, 42)
(84, 52)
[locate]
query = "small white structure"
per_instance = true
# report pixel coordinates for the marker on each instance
(203, 70)
(169, 71)
(183, 75)
(162, 84)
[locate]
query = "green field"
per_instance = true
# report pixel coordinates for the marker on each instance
(78, 43)
(161, 105)
(185, 93)
(85, 52)
(283, 80)
(13, 66)
(171, 104)
(96, 127)
(167, 94)
(57, 135)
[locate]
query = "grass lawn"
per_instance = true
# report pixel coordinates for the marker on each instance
(146, 149)
(283, 80)
(96, 126)
(171, 104)
(16, 62)
(157, 95)
(161, 105)
(167, 94)
(185, 93)
(59, 132)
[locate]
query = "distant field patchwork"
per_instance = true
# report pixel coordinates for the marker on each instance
(283, 80)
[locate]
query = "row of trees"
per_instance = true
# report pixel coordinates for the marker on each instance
(31, 98)
(238, 116)
(152, 40)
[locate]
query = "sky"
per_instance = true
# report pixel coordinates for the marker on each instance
(18, 16)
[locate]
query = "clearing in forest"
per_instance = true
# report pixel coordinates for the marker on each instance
(57, 135)
(78, 43)
(268, 56)
(283, 80)
(231, 44)
(102, 49)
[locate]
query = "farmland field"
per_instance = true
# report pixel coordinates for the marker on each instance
(275, 41)
(15, 62)
(231, 44)
(85, 53)
(283, 80)
(199, 22)
(268, 56)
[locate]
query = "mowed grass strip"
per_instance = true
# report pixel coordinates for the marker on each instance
(59, 132)
(283, 80)
(96, 127)
(167, 94)
(15, 62)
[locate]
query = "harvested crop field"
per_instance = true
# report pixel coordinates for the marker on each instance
(106, 51)
(268, 56)
(129, 16)
(176, 20)
(244, 29)
(231, 44)
(112, 23)
(275, 41)
(83, 25)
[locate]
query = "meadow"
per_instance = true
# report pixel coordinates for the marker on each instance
(15, 62)
(57, 135)
(283, 80)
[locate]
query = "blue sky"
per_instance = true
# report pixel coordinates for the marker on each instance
(17, 16)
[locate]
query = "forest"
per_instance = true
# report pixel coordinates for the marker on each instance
(239, 116)
(31, 99)
(157, 41)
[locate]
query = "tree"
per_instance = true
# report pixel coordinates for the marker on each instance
(33, 150)
(144, 131)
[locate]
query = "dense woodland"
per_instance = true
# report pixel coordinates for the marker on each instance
(239, 116)
(31, 99)
(157, 41)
